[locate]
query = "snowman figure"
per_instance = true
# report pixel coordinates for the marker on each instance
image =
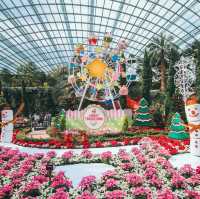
(192, 109)
(7, 129)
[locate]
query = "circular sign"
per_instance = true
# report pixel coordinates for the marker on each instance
(94, 117)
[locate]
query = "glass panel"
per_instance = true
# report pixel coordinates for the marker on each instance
(48, 29)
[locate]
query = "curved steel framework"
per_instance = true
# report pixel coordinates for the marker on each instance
(45, 31)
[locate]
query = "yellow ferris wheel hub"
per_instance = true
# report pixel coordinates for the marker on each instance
(97, 68)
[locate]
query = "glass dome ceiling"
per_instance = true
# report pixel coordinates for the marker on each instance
(45, 31)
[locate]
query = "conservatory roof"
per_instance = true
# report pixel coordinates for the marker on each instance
(46, 31)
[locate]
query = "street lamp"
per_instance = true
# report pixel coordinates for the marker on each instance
(49, 168)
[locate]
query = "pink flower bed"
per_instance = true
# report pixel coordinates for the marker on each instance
(143, 173)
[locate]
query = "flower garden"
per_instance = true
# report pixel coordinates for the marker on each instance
(129, 138)
(99, 100)
(144, 173)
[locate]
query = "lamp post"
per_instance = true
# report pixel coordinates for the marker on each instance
(49, 168)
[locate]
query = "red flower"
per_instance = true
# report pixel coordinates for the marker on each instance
(113, 142)
(126, 141)
(198, 170)
(181, 147)
(186, 142)
(173, 151)
(99, 144)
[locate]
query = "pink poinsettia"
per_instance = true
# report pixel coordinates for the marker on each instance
(86, 195)
(87, 181)
(106, 155)
(139, 192)
(40, 178)
(194, 180)
(127, 166)
(141, 158)
(32, 185)
(178, 181)
(111, 183)
(166, 194)
(6, 191)
(192, 194)
(197, 170)
(60, 194)
(150, 172)
(109, 174)
(86, 154)
(68, 155)
(3, 172)
(187, 171)
(116, 194)
(51, 154)
(133, 179)
(155, 181)
(61, 181)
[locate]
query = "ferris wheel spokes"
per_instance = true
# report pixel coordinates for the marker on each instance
(84, 92)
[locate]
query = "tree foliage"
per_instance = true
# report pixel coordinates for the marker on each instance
(174, 56)
(161, 47)
(147, 75)
(196, 53)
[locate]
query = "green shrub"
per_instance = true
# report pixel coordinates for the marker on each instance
(62, 123)
(21, 135)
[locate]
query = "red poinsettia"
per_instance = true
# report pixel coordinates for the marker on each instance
(85, 142)
(99, 144)
(113, 142)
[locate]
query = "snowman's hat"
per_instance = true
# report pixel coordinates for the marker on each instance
(192, 100)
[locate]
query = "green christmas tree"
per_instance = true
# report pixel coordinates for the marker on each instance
(177, 130)
(143, 116)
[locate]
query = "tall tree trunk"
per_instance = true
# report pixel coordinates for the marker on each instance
(162, 77)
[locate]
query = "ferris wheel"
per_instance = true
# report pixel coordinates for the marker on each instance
(101, 73)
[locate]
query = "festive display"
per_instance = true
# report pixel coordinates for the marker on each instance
(177, 129)
(96, 120)
(185, 76)
(143, 116)
(92, 40)
(132, 104)
(192, 109)
(96, 72)
(7, 129)
(184, 79)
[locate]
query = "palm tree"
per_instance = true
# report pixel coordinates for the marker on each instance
(161, 47)
(6, 77)
(30, 74)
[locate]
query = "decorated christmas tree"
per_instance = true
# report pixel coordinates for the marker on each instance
(143, 116)
(177, 129)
